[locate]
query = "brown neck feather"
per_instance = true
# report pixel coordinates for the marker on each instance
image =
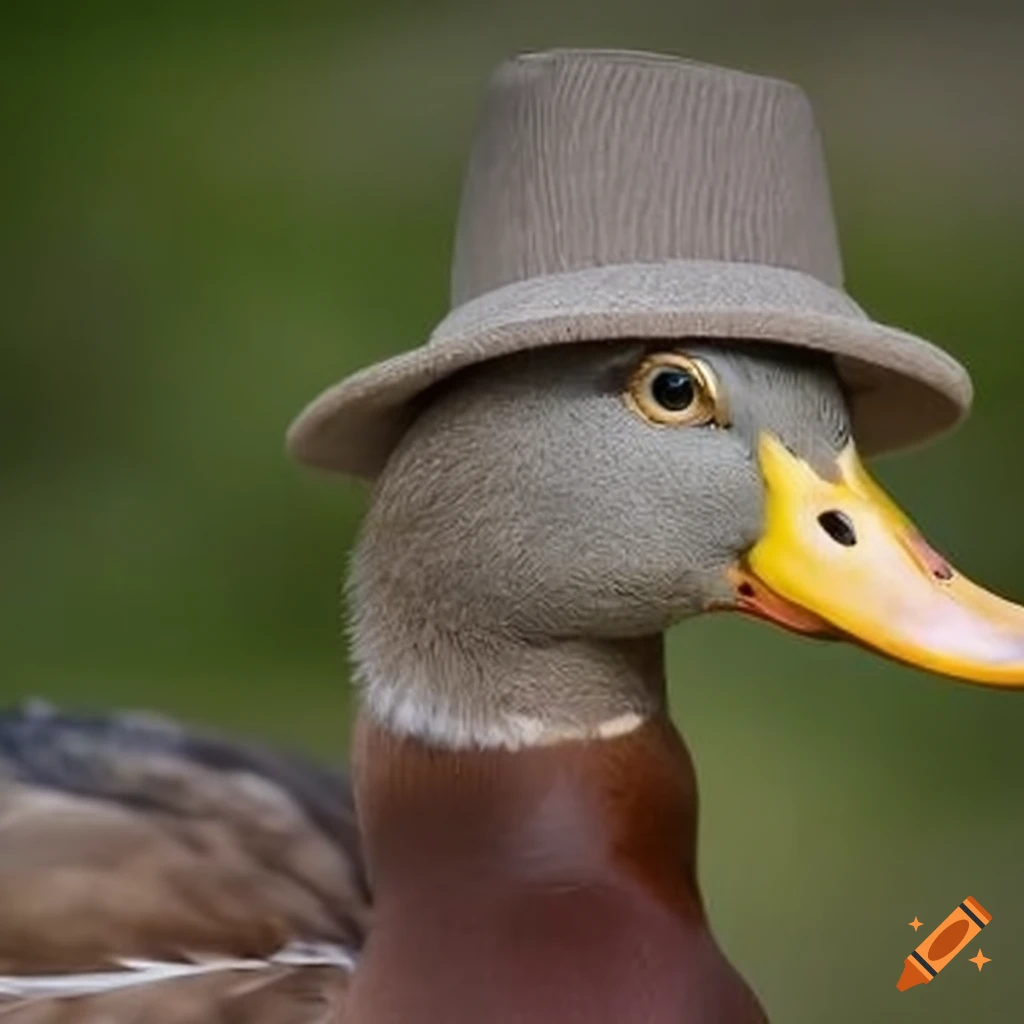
(553, 883)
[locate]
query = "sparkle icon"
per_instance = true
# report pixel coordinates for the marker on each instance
(915, 924)
(981, 959)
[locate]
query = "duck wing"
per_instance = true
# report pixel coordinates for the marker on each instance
(154, 874)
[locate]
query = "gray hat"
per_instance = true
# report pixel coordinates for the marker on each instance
(615, 195)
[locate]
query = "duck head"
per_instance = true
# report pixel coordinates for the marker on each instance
(548, 511)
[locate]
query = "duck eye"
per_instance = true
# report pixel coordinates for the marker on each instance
(671, 389)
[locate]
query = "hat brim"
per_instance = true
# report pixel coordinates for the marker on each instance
(903, 390)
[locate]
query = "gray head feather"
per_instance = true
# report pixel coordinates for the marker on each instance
(531, 529)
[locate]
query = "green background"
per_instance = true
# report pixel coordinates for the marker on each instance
(211, 213)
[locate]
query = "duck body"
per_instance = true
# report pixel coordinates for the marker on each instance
(552, 884)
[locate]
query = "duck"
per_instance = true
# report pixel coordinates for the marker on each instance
(649, 402)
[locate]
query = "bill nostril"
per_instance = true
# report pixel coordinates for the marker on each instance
(839, 527)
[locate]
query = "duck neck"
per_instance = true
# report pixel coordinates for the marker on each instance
(551, 882)
(464, 653)
(458, 684)
(619, 812)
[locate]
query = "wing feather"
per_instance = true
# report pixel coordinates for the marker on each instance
(128, 839)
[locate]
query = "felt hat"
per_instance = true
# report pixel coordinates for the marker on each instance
(614, 195)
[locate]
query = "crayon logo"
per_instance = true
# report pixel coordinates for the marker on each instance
(944, 943)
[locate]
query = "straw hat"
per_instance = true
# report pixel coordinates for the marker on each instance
(617, 195)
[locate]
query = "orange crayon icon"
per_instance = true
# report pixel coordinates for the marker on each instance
(943, 944)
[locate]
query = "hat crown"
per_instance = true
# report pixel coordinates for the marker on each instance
(596, 158)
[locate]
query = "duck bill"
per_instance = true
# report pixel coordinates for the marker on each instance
(838, 558)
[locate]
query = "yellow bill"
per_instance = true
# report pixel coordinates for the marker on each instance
(838, 557)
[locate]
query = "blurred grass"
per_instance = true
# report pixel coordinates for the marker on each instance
(210, 214)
